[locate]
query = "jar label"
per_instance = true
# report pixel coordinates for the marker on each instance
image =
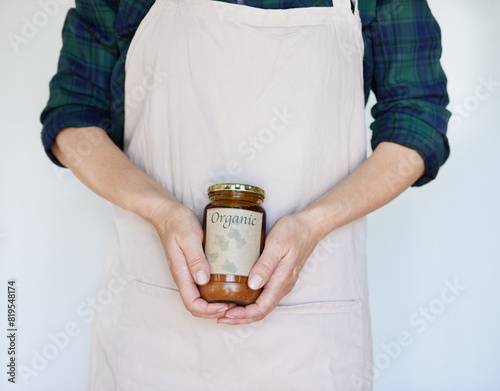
(232, 240)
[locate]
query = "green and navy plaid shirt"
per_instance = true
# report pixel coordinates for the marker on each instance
(401, 66)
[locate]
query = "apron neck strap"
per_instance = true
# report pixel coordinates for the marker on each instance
(349, 4)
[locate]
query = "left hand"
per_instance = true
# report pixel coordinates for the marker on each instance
(287, 248)
(377, 181)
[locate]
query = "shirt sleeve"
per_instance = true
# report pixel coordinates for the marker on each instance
(409, 83)
(79, 92)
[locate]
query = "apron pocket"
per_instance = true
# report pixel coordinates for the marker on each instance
(312, 346)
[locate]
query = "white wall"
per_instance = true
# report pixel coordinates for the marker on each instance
(447, 230)
(53, 231)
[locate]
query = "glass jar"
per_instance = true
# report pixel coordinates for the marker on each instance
(234, 226)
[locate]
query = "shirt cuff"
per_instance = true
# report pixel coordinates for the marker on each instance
(68, 116)
(412, 132)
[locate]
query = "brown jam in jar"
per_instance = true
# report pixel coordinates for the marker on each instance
(234, 226)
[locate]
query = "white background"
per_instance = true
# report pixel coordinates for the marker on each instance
(53, 231)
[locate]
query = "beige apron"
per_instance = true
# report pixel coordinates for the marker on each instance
(220, 92)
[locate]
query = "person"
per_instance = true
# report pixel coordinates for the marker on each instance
(154, 101)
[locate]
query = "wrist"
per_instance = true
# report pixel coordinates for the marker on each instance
(157, 210)
(321, 218)
(151, 202)
(313, 223)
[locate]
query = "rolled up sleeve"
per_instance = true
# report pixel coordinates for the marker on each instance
(408, 82)
(80, 92)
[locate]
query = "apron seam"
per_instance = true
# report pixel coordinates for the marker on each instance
(277, 20)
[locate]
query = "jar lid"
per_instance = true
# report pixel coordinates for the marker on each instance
(236, 187)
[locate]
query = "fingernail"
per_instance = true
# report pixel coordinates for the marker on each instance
(229, 316)
(255, 282)
(223, 309)
(201, 277)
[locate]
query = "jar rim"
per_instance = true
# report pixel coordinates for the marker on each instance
(233, 186)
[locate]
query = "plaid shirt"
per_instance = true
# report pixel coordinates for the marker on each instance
(401, 66)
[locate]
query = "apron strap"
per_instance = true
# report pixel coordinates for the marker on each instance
(342, 3)
(355, 6)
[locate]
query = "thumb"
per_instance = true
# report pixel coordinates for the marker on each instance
(196, 261)
(263, 268)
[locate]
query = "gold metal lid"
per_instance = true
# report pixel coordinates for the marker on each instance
(236, 187)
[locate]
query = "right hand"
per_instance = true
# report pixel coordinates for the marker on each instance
(107, 171)
(182, 235)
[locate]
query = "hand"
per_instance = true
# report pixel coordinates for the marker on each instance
(181, 235)
(287, 248)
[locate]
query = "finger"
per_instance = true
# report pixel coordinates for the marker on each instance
(188, 290)
(266, 302)
(194, 255)
(197, 306)
(200, 308)
(265, 266)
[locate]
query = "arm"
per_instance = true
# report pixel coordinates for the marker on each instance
(78, 108)
(80, 90)
(106, 170)
(402, 57)
(376, 182)
(402, 52)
